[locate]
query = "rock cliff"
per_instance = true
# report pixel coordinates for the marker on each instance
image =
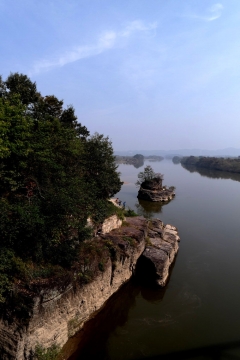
(56, 313)
(153, 190)
(154, 195)
(160, 251)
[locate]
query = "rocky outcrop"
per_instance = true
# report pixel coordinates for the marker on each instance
(113, 222)
(160, 252)
(110, 224)
(56, 313)
(152, 190)
(156, 195)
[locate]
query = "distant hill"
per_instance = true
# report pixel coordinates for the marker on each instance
(182, 152)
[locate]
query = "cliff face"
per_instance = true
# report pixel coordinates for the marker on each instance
(160, 252)
(152, 190)
(155, 195)
(57, 313)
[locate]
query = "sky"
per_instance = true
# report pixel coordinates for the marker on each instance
(150, 74)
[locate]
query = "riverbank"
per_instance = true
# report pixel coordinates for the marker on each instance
(211, 163)
(57, 312)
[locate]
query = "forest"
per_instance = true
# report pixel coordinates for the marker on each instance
(54, 175)
(213, 163)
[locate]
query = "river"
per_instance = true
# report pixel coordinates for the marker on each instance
(199, 308)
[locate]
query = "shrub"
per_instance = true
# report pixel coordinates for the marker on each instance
(47, 354)
(130, 213)
(147, 175)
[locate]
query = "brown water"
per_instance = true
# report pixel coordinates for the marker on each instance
(200, 306)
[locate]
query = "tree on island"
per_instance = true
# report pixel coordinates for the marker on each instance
(149, 176)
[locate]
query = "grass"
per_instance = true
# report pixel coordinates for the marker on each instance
(130, 213)
(47, 354)
(130, 240)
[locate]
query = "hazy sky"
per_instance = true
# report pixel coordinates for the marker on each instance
(151, 74)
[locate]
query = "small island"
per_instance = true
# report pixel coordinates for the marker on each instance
(151, 187)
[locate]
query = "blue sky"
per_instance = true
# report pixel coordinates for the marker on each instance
(150, 74)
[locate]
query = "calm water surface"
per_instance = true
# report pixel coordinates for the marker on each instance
(200, 306)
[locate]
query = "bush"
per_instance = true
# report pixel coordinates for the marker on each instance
(47, 354)
(147, 175)
(130, 213)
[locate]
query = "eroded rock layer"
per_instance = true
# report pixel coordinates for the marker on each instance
(161, 195)
(56, 312)
(161, 250)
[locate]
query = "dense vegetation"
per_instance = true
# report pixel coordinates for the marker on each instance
(148, 175)
(214, 163)
(136, 160)
(53, 176)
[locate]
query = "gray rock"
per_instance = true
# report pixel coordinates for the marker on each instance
(161, 250)
(155, 195)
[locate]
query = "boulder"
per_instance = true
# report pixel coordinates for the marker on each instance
(160, 252)
(153, 190)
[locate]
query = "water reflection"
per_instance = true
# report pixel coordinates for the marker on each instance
(213, 174)
(203, 291)
(138, 164)
(96, 331)
(149, 209)
(114, 314)
(228, 350)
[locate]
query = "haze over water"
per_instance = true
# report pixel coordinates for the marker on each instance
(200, 305)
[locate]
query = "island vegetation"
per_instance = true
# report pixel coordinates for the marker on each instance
(148, 176)
(213, 163)
(54, 175)
(136, 160)
(151, 187)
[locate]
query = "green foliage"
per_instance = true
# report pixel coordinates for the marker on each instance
(101, 169)
(20, 84)
(101, 266)
(9, 266)
(147, 175)
(223, 164)
(129, 240)
(53, 176)
(112, 249)
(105, 210)
(47, 354)
(130, 213)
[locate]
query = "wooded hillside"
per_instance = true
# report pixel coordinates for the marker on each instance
(53, 176)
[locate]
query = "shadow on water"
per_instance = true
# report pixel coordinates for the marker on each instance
(149, 209)
(96, 331)
(121, 331)
(114, 314)
(229, 350)
(212, 174)
(142, 278)
(139, 164)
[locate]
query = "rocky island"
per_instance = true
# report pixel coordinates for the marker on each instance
(151, 187)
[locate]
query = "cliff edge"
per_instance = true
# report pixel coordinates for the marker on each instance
(56, 311)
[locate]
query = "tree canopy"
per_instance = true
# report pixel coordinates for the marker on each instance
(148, 174)
(53, 176)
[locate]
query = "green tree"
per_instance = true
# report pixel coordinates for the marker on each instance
(100, 174)
(148, 174)
(53, 176)
(20, 84)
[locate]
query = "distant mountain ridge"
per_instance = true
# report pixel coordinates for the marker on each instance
(182, 152)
